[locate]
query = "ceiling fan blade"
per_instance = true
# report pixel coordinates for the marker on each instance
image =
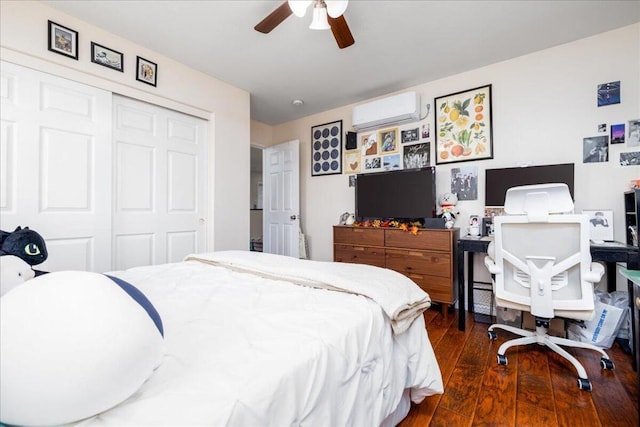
(274, 18)
(341, 31)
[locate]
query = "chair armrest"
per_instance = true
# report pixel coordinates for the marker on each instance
(491, 265)
(596, 273)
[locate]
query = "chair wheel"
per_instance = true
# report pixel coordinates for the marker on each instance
(502, 359)
(492, 335)
(607, 364)
(584, 384)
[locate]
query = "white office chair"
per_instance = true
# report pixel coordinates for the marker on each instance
(542, 264)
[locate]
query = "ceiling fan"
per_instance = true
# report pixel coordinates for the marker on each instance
(326, 14)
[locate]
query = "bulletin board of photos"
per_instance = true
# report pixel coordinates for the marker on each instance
(389, 149)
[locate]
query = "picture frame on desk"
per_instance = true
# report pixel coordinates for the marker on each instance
(600, 224)
(487, 226)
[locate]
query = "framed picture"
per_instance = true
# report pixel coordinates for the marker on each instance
(372, 164)
(609, 93)
(463, 126)
(595, 149)
(617, 133)
(352, 161)
(146, 71)
(416, 155)
(326, 149)
(464, 182)
(369, 144)
(633, 133)
(107, 57)
(410, 135)
(388, 141)
(600, 224)
(63, 40)
(392, 162)
(631, 158)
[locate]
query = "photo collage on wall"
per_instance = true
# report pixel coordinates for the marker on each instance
(388, 149)
(614, 136)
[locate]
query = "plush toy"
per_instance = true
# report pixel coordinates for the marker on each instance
(26, 244)
(447, 208)
(13, 271)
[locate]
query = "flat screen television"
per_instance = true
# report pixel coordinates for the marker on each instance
(408, 194)
(498, 181)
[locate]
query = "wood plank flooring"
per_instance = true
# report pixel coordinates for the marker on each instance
(537, 387)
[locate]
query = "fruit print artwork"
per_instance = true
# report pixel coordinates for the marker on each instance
(463, 126)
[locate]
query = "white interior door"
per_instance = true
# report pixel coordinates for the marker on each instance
(281, 183)
(160, 184)
(55, 166)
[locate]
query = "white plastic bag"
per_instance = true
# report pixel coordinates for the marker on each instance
(603, 328)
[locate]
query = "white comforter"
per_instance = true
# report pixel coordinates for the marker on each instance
(243, 350)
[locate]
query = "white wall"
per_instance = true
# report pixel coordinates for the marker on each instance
(23, 40)
(544, 104)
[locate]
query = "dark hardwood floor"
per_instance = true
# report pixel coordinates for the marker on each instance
(536, 388)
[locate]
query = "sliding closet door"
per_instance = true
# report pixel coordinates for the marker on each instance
(55, 166)
(160, 184)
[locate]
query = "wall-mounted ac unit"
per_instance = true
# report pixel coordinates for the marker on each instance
(401, 108)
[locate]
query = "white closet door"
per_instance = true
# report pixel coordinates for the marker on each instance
(55, 166)
(160, 184)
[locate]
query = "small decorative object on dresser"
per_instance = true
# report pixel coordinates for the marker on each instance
(447, 208)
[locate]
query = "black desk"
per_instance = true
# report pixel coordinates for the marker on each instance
(609, 253)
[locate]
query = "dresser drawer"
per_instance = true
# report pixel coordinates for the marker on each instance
(438, 288)
(426, 239)
(421, 262)
(359, 254)
(358, 236)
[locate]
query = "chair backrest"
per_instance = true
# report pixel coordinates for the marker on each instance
(544, 257)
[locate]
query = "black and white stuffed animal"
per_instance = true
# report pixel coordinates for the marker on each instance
(26, 244)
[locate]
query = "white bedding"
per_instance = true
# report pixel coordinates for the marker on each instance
(243, 350)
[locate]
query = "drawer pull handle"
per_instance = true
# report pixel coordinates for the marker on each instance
(357, 230)
(638, 302)
(420, 254)
(358, 248)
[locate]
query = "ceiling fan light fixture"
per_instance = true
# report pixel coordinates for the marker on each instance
(336, 8)
(319, 21)
(299, 7)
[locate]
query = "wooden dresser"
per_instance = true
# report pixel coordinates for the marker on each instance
(428, 258)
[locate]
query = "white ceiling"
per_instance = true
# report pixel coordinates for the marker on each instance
(398, 44)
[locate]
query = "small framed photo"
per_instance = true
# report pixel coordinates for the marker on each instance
(600, 224)
(107, 57)
(410, 135)
(609, 93)
(617, 133)
(63, 40)
(146, 71)
(388, 139)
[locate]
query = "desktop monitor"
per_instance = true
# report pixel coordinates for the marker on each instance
(498, 181)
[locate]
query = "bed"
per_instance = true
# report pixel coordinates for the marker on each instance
(255, 339)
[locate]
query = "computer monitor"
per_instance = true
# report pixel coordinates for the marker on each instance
(498, 181)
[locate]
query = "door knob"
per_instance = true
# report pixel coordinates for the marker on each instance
(293, 217)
